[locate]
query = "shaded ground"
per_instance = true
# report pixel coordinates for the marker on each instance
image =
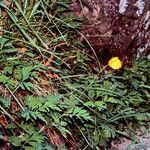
(141, 143)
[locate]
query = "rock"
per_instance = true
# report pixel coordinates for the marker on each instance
(114, 27)
(142, 142)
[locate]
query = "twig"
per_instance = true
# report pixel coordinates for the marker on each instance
(15, 98)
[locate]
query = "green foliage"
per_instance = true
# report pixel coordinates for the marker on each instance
(30, 139)
(37, 107)
(6, 47)
(60, 124)
(79, 113)
(111, 101)
(25, 72)
(91, 109)
(99, 105)
(5, 102)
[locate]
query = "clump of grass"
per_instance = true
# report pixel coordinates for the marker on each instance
(49, 96)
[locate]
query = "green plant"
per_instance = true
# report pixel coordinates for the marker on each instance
(81, 109)
(38, 106)
(30, 139)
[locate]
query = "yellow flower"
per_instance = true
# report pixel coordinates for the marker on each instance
(115, 63)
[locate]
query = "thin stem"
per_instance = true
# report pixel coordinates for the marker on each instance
(15, 98)
(7, 113)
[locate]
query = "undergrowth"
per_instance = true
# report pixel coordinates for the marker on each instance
(49, 97)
